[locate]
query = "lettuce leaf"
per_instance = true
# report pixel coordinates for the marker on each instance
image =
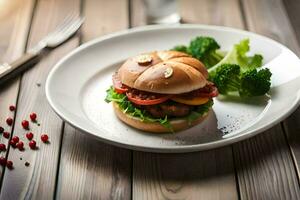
(238, 55)
(199, 111)
(127, 107)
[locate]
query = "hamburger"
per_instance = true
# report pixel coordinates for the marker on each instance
(161, 91)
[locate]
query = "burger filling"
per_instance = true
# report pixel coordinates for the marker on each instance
(153, 107)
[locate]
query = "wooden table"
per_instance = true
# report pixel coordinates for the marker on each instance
(74, 166)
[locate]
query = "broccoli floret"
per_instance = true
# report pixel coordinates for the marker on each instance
(181, 48)
(229, 78)
(255, 83)
(205, 50)
(234, 71)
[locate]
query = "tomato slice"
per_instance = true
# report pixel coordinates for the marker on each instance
(212, 93)
(119, 87)
(144, 98)
(209, 91)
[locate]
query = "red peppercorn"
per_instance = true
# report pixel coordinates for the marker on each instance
(12, 108)
(9, 164)
(9, 121)
(2, 147)
(32, 144)
(2, 161)
(1, 129)
(33, 116)
(20, 145)
(6, 134)
(12, 143)
(29, 135)
(16, 139)
(25, 124)
(44, 138)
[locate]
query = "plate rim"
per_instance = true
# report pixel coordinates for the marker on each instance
(165, 149)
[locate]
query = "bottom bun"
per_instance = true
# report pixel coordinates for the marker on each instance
(155, 127)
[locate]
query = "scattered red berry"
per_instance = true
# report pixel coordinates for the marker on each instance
(32, 144)
(29, 135)
(44, 138)
(15, 139)
(2, 161)
(33, 117)
(20, 145)
(1, 129)
(2, 147)
(25, 124)
(9, 121)
(6, 134)
(12, 143)
(12, 108)
(9, 164)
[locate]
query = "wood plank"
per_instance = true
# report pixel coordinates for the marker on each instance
(38, 180)
(201, 175)
(264, 163)
(223, 13)
(15, 18)
(265, 168)
(104, 17)
(275, 23)
(138, 15)
(292, 10)
(90, 169)
(292, 125)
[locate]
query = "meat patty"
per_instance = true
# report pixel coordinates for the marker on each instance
(171, 110)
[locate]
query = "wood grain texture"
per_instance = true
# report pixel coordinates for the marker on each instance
(292, 125)
(201, 175)
(213, 12)
(138, 16)
(292, 10)
(15, 18)
(264, 163)
(204, 175)
(104, 17)
(90, 169)
(38, 180)
(265, 168)
(270, 18)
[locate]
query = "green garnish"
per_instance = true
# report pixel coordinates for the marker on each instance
(204, 49)
(127, 107)
(233, 71)
(253, 82)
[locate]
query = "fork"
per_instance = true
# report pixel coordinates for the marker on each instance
(62, 33)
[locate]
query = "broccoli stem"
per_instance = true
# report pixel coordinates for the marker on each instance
(234, 85)
(212, 59)
(213, 69)
(217, 56)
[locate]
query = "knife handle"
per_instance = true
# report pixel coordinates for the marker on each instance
(8, 70)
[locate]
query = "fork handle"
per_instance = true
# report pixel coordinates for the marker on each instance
(8, 70)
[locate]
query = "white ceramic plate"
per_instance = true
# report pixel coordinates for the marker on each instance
(76, 88)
